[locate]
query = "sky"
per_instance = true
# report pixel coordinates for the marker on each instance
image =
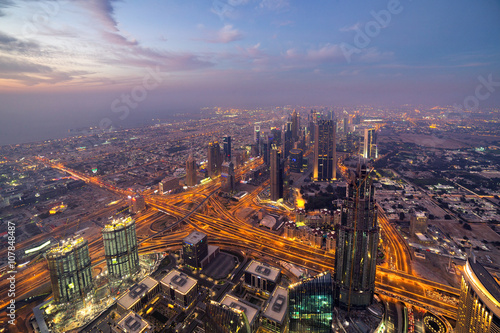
(75, 63)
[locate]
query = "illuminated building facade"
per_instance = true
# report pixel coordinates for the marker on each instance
(296, 156)
(287, 139)
(418, 223)
(191, 171)
(222, 318)
(136, 204)
(228, 176)
(262, 276)
(276, 175)
(194, 249)
(325, 155)
(310, 305)
(179, 288)
(295, 125)
(370, 144)
(479, 306)
(70, 271)
(358, 237)
(214, 159)
(120, 248)
(226, 141)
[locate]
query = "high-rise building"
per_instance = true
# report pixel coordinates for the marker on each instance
(418, 223)
(479, 306)
(295, 125)
(194, 249)
(136, 203)
(214, 159)
(120, 248)
(370, 144)
(226, 140)
(222, 318)
(325, 154)
(310, 305)
(346, 125)
(287, 139)
(276, 175)
(358, 236)
(191, 171)
(228, 176)
(296, 156)
(256, 135)
(70, 271)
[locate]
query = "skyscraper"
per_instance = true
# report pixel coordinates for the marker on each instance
(194, 249)
(276, 175)
(325, 155)
(296, 156)
(358, 236)
(214, 158)
(256, 135)
(191, 171)
(310, 305)
(370, 144)
(120, 248)
(295, 125)
(226, 140)
(228, 175)
(287, 139)
(479, 306)
(70, 271)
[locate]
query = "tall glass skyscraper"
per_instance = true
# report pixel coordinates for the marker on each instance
(325, 151)
(70, 271)
(120, 248)
(358, 236)
(224, 319)
(310, 305)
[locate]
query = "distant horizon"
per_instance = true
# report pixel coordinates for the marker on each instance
(74, 63)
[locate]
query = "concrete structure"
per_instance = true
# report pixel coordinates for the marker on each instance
(136, 204)
(120, 248)
(70, 271)
(262, 276)
(289, 229)
(275, 314)
(331, 241)
(358, 236)
(295, 125)
(479, 306)
(179, 288)
(169, 184)
(222, 318)
(191, 171)
(418, 223)
(228, 177)
(325, 151)
(131, 323)
(194, 249)
(250, 311)
(138, 295)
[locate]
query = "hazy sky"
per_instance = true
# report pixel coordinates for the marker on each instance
(76, 62)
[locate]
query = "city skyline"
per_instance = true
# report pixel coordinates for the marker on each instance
(68, 64)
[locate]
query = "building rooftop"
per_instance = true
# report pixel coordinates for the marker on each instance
(194, 237)
(119, 223)
(263, 270)
(486, 279)
(235, 303)
(136, 292)
(277, 305)
(67, 245)
(133, 323)
(179, 281)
